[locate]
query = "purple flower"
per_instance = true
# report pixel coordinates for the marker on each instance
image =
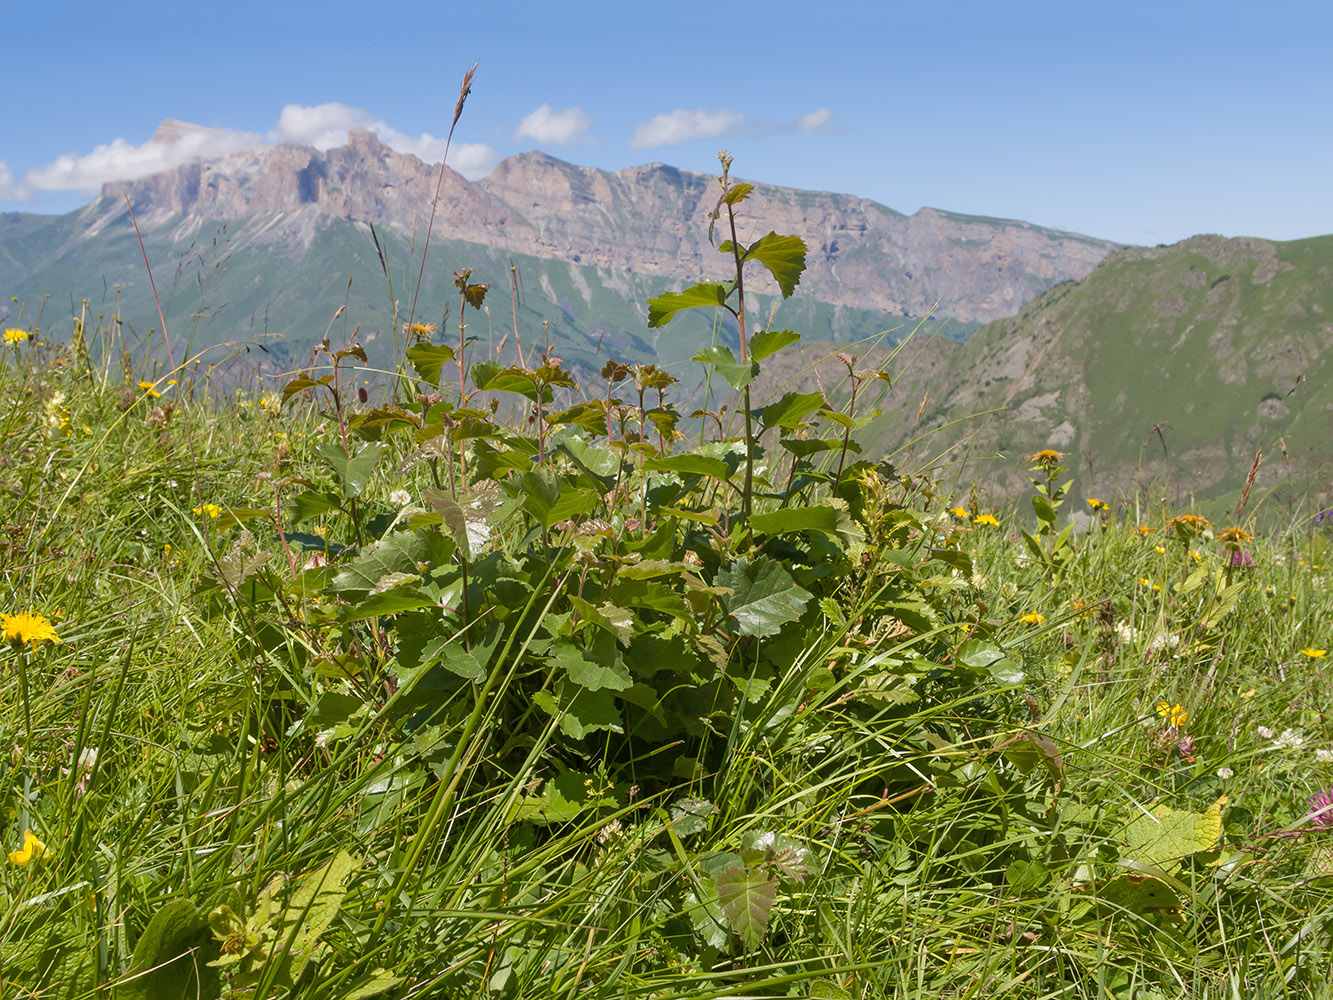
(1241, 558)
(1320, 517)
(1321, 808)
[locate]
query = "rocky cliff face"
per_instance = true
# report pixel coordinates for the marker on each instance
(650, 219)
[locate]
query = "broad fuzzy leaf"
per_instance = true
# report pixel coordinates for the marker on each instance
(662, 309)
(769, 342)
(784, 256)
(747, 896)
(1166, 836)
(738, 376)
(791, 410)
(764, 596)
(428, 360)
(594, 669)
(353, 471)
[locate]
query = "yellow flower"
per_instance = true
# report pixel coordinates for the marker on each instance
(1175, 715)
(422, 330)
(148, 390)
(1096, 504)
(1195, 556)
(1190, 524)
(27, 628)
(15, 336)
(1034, 619)
(986, 519)
(1046, 455)
(211, 509)
(1235, 536)
(1160, 550)
(32, 850)
(1145, 529)
(960, 513)
(1144, 582)
(1314, 654)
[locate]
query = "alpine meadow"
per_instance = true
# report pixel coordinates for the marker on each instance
(444, 664)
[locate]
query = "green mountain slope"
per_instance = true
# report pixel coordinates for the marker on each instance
(1172, 362)
(278, 280)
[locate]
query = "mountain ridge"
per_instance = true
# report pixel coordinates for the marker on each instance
(650, 218)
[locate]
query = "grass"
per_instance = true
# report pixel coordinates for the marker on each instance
(918, 819)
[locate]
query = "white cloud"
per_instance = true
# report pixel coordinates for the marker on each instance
(681, 126)
(322, 126)
(119, 160)
(814, 120)
(560, 128)
(325, 126)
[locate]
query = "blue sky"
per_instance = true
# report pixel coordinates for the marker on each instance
(1143, 122)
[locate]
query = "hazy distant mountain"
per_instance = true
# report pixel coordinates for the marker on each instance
(269, 238)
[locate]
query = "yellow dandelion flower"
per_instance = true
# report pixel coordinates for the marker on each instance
(24, 628)
(961, 513)
(1235, 536)
(210, 509)
(1047, 459)
(422, 330)
(1034, 619)
(14, 336)
(1314, 654)
(1195, 556)
(1190, 524)
(1144, 529)
(148, 390)
(1097, 504)
(986, 519)
(32, 850)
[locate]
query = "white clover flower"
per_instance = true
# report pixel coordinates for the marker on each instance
(1022, 559)
(1290, 739)
(978, 581)
(1264, 732)
(1126, 633)
(400, 497)
(1008, 590)
(1164, 640)
(1225, 772)
(1323, 756)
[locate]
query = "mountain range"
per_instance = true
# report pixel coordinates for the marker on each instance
(277, 238)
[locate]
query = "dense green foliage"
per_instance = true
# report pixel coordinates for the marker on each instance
(489, 683)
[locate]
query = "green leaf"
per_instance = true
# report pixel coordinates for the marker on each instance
(311, 504)
(768, 342)
(690, 815)
(764, 596)
(784, 256)
(790, 410)
(171, 956)
(396, 552)
(380, 981)
(1167, 836)
(313, 906)
(594, 669)
(301, 383)
(353, 471)
(830, 520)
(692, 465)
(662, 309)
(549, 499)
(1045, 512)
(724, 362)
(804, 447)
(581, 711)
(978, 654)
(1144, 892)
(747, 896)
(737, 193)
(428, 360)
